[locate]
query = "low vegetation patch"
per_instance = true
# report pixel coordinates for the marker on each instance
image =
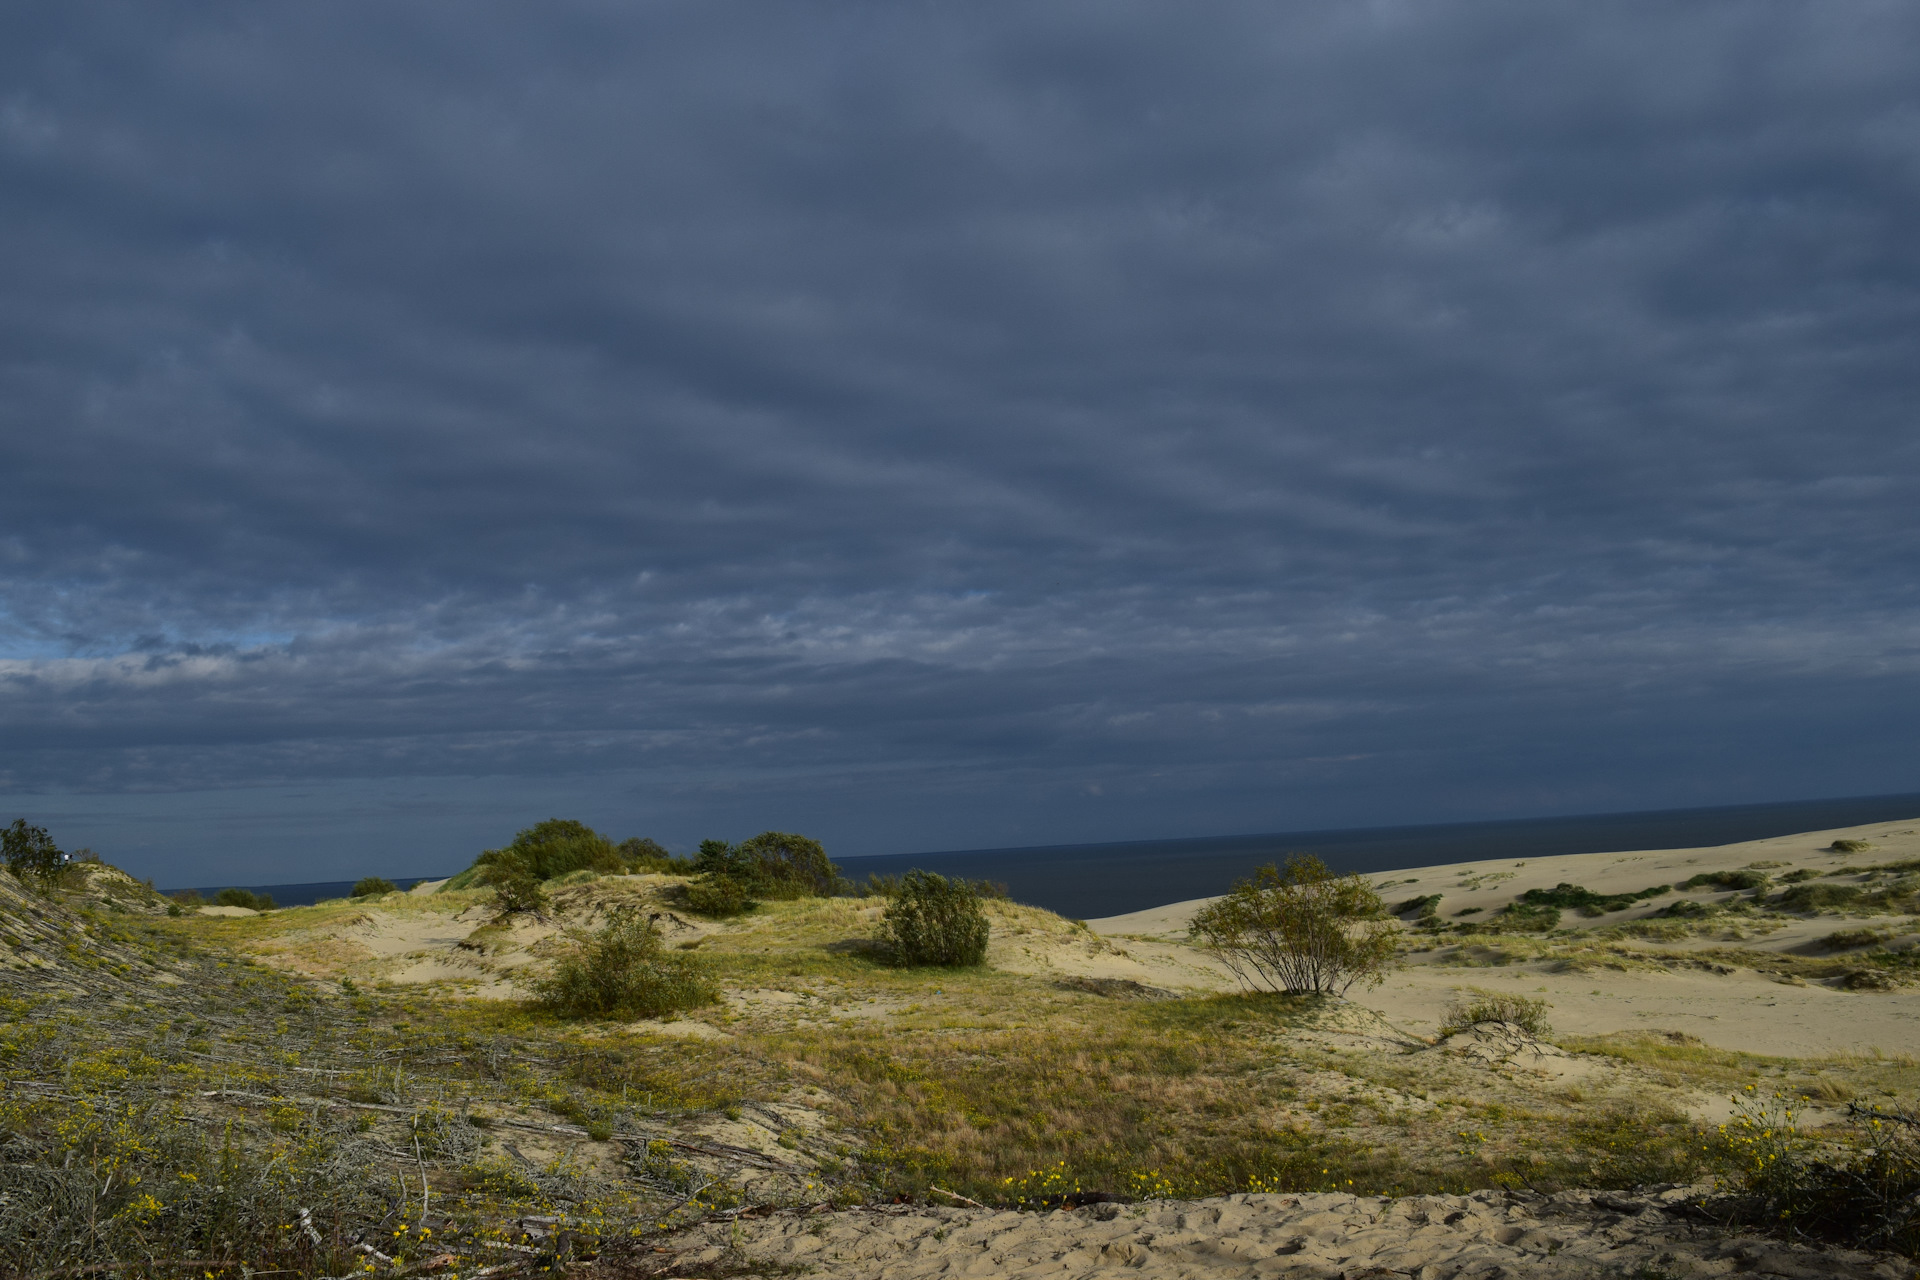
(622, 970)
(1528, 1014)
(373, 887)
(1586, 901)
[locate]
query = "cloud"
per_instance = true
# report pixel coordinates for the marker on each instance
(1278, 417)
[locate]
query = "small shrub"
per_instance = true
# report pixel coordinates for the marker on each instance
(1847, 938)
(934, 920)
(719, 896)
(244, 898)
(1800, 876)
(1495, 1006)
(1299, 929)
(1687, 908)
(31, 854)
(1850, 846)
(516, 887)
(1862, 1195)
(373, 887)
(622, 970)
(1425, 910)
(188, 898)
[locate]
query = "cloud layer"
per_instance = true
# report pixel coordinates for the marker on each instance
(954, 425)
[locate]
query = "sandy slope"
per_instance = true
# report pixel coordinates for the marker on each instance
(1492, 1235)
(1736, 1009)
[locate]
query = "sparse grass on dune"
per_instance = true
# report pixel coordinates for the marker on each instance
(823, 1074)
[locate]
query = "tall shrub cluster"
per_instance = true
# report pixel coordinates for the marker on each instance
(773, 864)
(1299, 929)
(931, 920)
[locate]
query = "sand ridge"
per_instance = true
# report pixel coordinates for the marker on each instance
(1488, 1235)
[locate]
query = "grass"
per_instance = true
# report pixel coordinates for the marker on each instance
(168, 1051)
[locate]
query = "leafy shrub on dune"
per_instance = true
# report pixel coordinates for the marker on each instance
(31, 853)
(622, 970)
(553, 848)
(244, 898)
(1299, 929)
(932, 920)
(642, 853)
(373, 887)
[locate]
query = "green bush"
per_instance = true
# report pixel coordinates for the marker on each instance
(547, 850)
(1687, 908)
(1529, 917)
(1850, 846)
(373, 887)
(1744, 878)
(643, 854)
(1299, 929)
(516, 887)
(31, 853)
(932, 920)
(1586, 901)
(773, 864)
(622, 970)
(1495, 1006)
(1861, 1193)
(720, 896)
(244, 898)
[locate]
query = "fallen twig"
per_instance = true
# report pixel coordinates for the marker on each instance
(955, 1195)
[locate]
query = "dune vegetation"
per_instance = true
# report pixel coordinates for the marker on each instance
(427, 1081)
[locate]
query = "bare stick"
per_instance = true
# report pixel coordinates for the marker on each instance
(955, 1195)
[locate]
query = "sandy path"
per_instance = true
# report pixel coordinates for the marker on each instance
(1570, 1236)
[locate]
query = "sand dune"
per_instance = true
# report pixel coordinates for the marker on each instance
(1489, 1234)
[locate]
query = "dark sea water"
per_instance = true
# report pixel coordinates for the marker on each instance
(1086, 881)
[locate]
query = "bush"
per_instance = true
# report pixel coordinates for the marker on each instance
(934, 920)
(31, 853)
(516, 887)
(244, 898)
(1494, 1006)
(774, 864)
(1744, 878)
(622, 970)
(1850, 846)
(373, 887)
(1301, 929)
(720, 896)
(551, 849)
(1586, 901)
(1864, 1196)
(642, 854)
(1529, 917)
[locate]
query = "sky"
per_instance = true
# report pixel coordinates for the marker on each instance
(932, 426)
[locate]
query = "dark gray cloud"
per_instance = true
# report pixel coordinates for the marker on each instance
(950, 424)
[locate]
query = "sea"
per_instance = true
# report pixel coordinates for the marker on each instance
(1088, 881)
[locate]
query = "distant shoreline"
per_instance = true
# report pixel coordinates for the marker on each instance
(1087, 881)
